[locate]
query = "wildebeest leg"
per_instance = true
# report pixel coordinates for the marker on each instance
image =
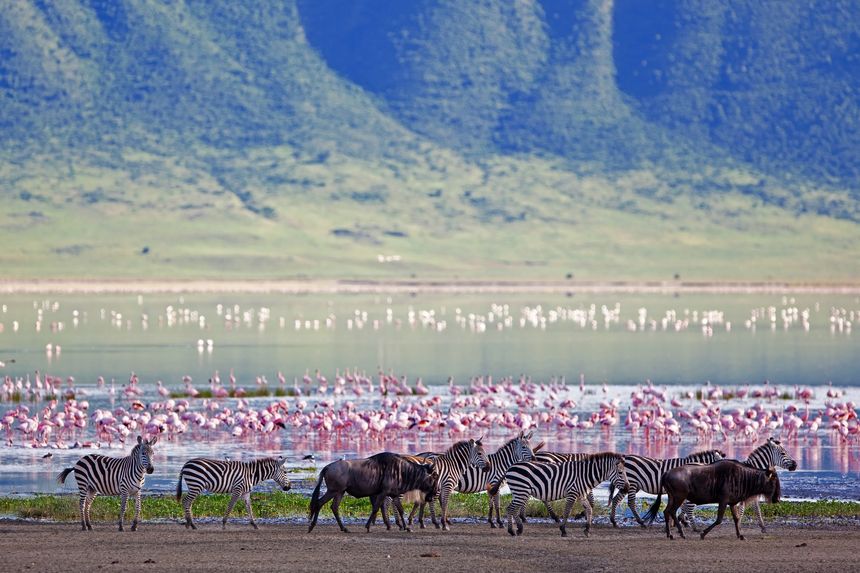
(736, 515)
(398, 505)
(568, 506)
(335, 505)
(721, 510)
(669, 516)
(323, 500)
(376, 503)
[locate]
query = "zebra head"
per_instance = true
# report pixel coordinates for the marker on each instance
(522, 448)
(477, 456)
(280, 474)
(618, 474)
(143, 453)
(775, 455)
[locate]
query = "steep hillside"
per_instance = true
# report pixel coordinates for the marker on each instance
(529, 139)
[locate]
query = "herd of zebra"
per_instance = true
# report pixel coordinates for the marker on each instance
(389, 479)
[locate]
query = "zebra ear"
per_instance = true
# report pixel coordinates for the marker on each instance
(281, 460)
(139, 440)
(529, 435)
(153, 440)
(521, 435)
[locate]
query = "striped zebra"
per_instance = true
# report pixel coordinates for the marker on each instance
(770, 454)
(545, 457)
(233, 477)
(645, 473)
(96, 474)
(450, 467)
(570, 480)
(476, 479)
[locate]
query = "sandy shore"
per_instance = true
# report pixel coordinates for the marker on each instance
(72, 286)
(468, 547)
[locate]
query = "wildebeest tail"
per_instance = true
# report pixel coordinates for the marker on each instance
(651, 514)
(61, 478)
(315, 496)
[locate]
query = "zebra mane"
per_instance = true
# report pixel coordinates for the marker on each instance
(702, 453)
(601, 456)
(771, 444)
(458, 446)
(511, 442)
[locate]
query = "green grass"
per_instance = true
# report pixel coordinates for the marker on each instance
(285, 505)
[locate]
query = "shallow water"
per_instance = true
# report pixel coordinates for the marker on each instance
(801, 340)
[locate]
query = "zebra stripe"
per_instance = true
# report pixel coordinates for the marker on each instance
(96, 474)
(770, 454)
(233, 477)
(571, 480)
(450, 467)
(545, 457)
(645, 474)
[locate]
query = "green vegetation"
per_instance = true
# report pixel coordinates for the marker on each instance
(287, 505)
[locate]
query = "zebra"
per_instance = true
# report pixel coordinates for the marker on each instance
(770, 454)
(475, 479)
(450, 467)
(571, 480)
(645, 473)
(545, 457)
(233, 477)
(96, 474)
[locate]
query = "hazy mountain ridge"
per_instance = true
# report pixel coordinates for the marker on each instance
(351, 127)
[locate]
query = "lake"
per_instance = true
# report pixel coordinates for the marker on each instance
(616, 345)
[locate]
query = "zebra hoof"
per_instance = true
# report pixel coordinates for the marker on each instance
(492, 525)
(643, 525)
(586, 532)
(134, 527)
(254, 525)
(671, 537)
(702, 535)
(764, 529)
(511, 531)
(563, 532)
(89, 527)
(741, 537)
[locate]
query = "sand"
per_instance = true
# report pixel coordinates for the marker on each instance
(467, 547)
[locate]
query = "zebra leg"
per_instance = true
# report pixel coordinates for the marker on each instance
(398, 505)
(757, 505)
(443, 503)
(384, 510)
(91, 495)
(631, 503)
(230, 505)
(82, 504)
(247, 498)
(736, 516)
(136, 519)
(514, 509)
(587, 502)
(581, 514)
(613, 506)
(190, 496)
(492, 500)
(497, 502)
(418, 508)
(721, 511)
(335, 505)
(568, 506)
(432, 514)
(123, 501)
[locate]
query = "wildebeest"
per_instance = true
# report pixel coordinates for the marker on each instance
(379, 476)
(726, 483)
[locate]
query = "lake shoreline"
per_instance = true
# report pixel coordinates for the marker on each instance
(414, 286)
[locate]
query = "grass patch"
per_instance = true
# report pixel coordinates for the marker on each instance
(285, 504)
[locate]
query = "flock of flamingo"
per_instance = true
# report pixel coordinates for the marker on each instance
(52, 412)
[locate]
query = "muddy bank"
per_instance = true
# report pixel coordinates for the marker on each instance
(468, 547)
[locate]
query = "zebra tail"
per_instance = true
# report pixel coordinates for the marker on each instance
(611, 493)
(179, 489)
(61, 478)
(651, 514)
(494, 488)
(315, 496)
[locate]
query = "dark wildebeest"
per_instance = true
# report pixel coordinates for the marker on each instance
(377, 477)
(726, 483)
